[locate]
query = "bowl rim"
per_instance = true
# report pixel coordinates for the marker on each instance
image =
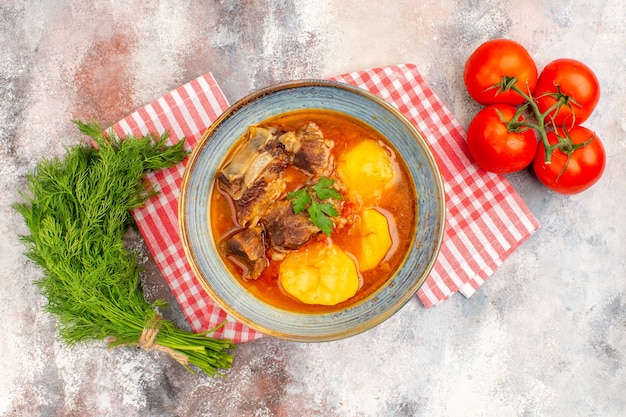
(232, 110)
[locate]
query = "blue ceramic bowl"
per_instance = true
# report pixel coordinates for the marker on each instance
(200, 246)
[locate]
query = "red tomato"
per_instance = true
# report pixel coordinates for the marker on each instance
(493, 147)
(584, 168)
(490, 62)
(574, 80)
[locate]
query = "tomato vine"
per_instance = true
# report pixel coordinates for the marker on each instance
(521, 106)
(508, 83)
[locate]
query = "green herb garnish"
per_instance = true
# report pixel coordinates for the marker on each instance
(311, 198)
(77, 210)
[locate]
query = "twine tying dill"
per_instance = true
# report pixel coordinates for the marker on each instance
(149, 335)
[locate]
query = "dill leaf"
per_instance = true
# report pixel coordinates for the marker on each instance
(77, 209)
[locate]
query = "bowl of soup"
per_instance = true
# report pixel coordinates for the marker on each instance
(311, 210)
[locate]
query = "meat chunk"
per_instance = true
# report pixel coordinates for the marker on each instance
(248, 162)
(247, 249)
(258, 198)
(290, 142)
(254, 177)
(313, 152)
(285, 230)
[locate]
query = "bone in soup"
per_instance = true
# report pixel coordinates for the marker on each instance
(313, 211)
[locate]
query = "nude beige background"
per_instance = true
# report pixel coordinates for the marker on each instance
(545, 336)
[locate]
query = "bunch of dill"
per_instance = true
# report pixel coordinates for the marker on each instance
(77, 210)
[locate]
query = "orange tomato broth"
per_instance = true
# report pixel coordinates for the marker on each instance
(398, 203)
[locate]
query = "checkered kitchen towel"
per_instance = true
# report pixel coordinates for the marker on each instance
(486, 219)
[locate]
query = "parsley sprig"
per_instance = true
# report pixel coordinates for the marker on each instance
(312, 199)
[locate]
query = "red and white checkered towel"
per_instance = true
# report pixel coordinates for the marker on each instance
(486, 219)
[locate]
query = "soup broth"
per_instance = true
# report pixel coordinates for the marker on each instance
(396, 202)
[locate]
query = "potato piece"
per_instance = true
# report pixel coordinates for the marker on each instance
(366, 169)
(375, 239)
(319, 274)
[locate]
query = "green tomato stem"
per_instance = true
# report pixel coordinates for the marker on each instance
(540, 119)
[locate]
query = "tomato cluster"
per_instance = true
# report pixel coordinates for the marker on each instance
(522, 104)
